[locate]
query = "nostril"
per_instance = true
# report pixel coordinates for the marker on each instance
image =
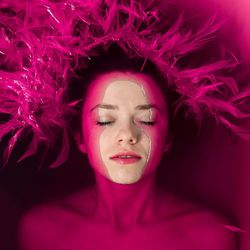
(132, 140)
(129, 140)
(127, 136)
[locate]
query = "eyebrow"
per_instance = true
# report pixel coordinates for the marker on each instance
(104, 106)
(147, 106)
(115, 107)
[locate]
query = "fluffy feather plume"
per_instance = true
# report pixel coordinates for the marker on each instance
(41, 41)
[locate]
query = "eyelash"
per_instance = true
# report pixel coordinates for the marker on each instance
(110, 122)
(103, 123)
(148, 123)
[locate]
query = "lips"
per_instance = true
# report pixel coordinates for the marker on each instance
(126, 158)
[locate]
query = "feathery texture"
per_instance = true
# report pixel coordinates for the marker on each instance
(42, 41)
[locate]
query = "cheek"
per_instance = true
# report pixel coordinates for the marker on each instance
(92, 141)
(157, 134)
(105, 142)
(157, 142)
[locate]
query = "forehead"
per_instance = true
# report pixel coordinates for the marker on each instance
(124, 85)
(124, 92)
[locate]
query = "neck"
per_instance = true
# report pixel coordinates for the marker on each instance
(125, 204)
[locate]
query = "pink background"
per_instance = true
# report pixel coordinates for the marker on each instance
(221, 181)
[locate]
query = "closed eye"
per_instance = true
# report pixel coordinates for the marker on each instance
(148, 123)
(104, 123)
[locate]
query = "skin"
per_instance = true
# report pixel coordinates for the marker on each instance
(125, 209)
(125, 123)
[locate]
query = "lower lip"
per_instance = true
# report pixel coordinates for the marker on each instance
(126, 160)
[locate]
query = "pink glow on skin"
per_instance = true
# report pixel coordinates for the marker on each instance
(117, 213)
(128, 130)
(130, 208)
(36, 60)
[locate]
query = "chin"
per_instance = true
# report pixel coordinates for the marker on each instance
(125, 178)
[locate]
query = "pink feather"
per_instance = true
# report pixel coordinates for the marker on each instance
(41, 41)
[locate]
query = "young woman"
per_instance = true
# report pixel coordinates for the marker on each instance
(125, 123)
(124, 132)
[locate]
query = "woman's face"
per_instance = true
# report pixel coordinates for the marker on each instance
(124, 126)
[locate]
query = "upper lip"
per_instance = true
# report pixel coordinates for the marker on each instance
(125, 153)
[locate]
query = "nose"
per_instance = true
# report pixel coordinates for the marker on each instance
(128, 134)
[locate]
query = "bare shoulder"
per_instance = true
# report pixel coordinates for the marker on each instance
(210, 230)
(34, 227)
(46, 223)
(200, 227)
